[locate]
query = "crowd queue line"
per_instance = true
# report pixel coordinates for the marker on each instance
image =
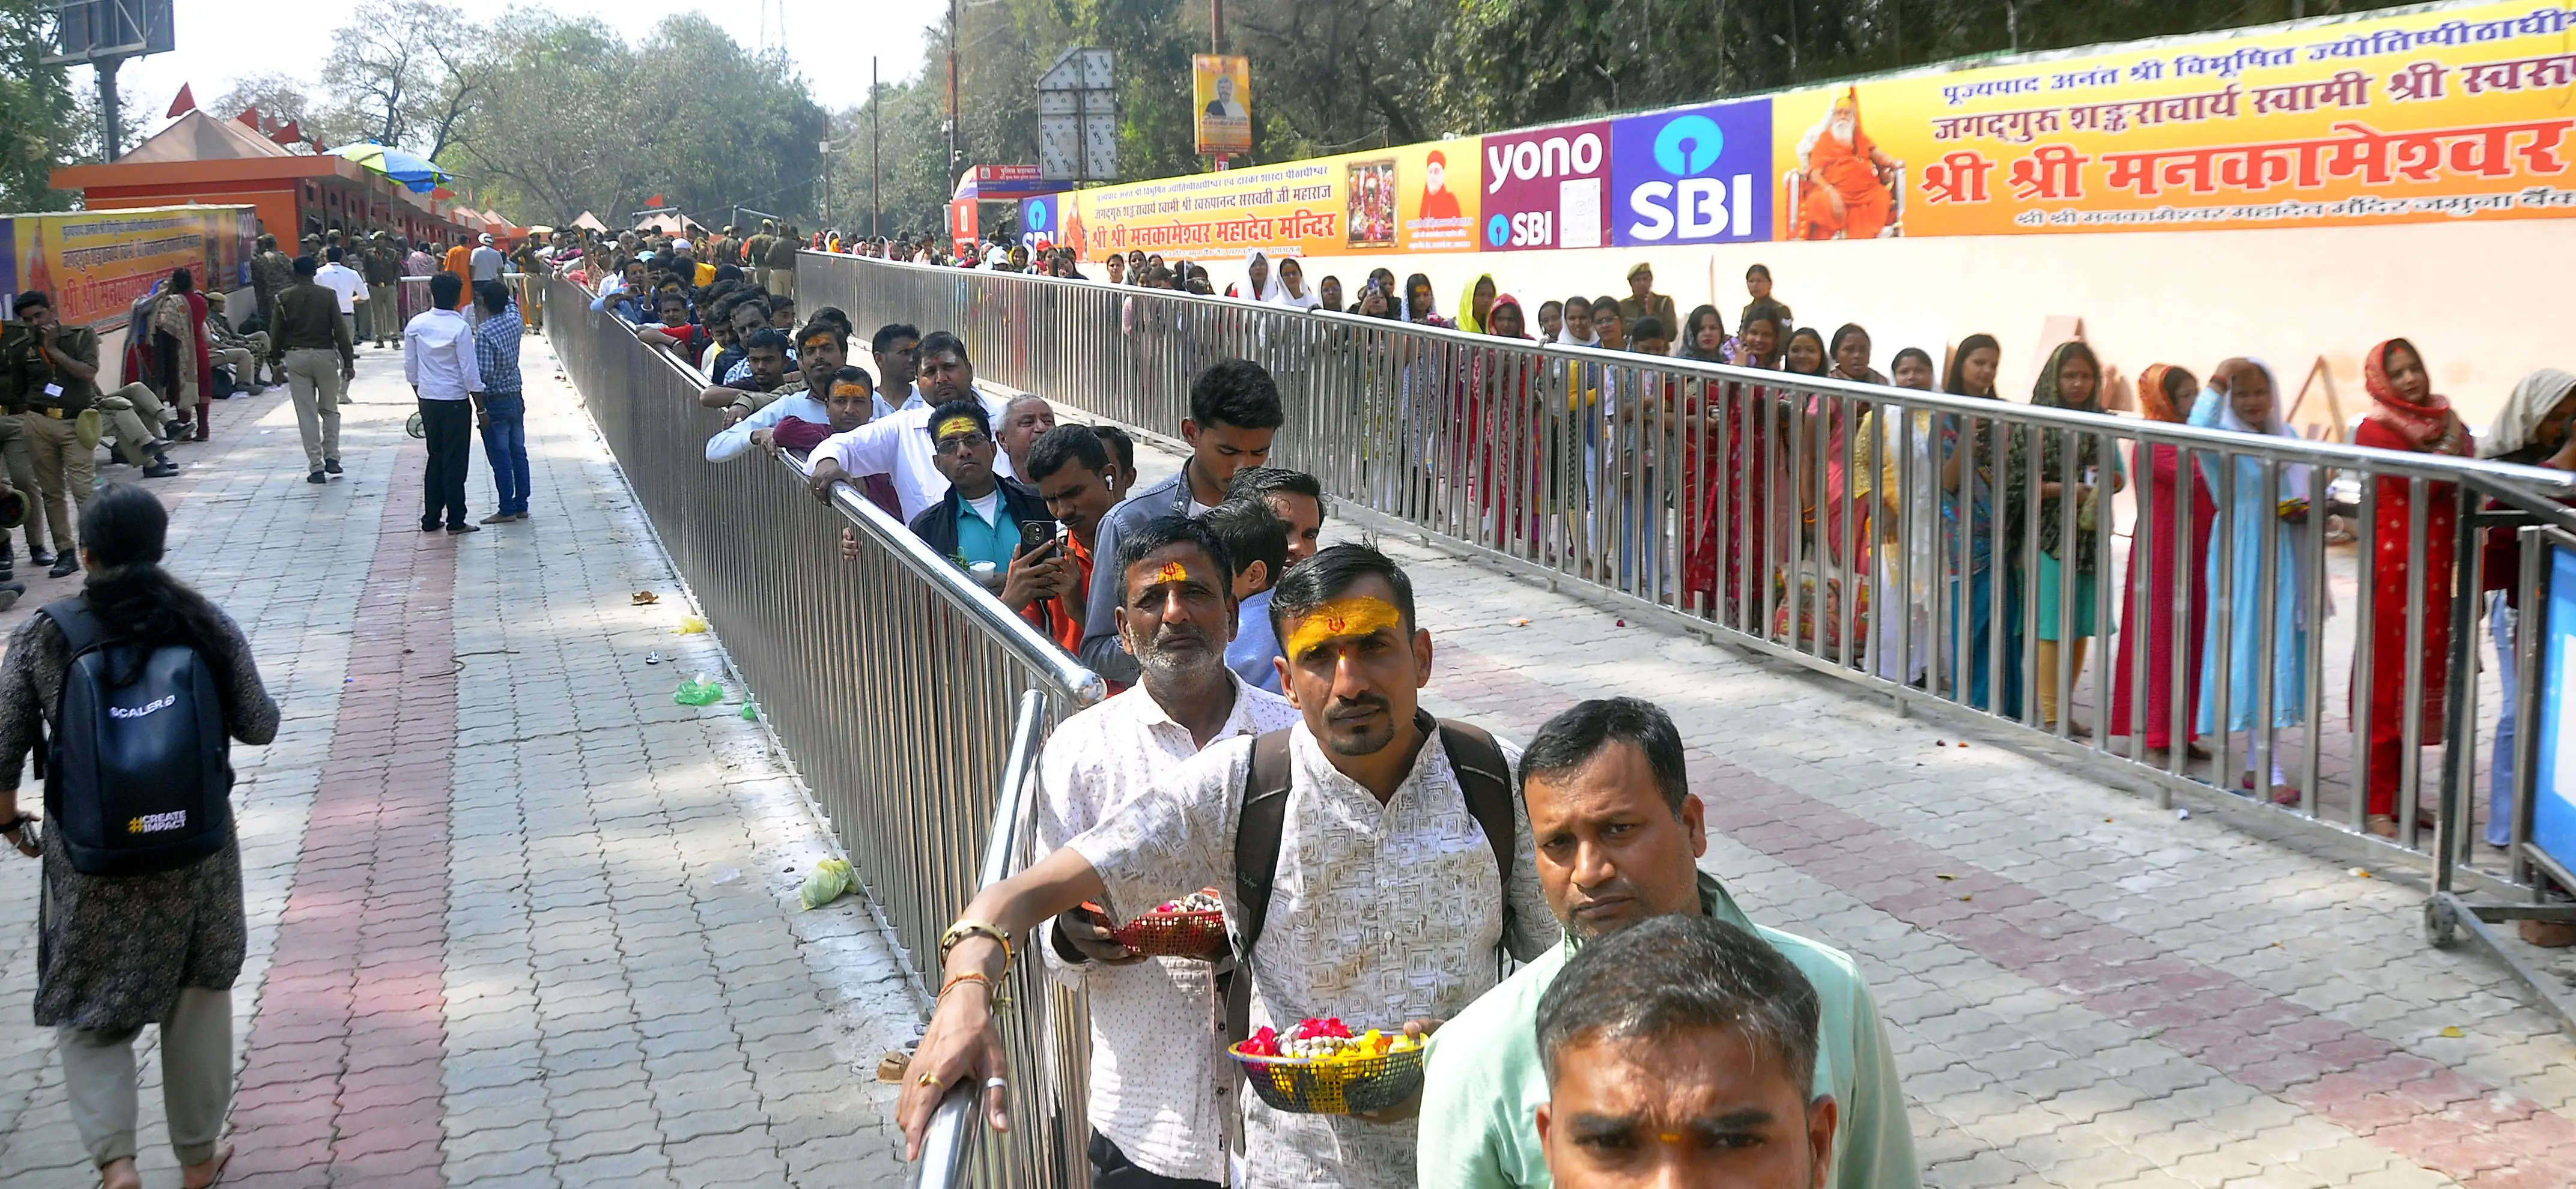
(1232, 637)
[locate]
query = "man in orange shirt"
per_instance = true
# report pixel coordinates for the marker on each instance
(1070, 467)
(459, 261)
(1846, 196)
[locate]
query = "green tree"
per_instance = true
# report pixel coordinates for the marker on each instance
(39, 128)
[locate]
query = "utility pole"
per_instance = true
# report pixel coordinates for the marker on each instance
(1216, 26)
(876, 104)
(112, 130)
(949, 175)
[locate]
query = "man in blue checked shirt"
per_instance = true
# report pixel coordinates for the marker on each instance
(500, 409)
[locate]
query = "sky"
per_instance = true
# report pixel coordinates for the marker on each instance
(216, 46)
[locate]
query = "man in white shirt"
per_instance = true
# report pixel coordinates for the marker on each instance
(1160, 1082)
(900, 445)
(438, 359)
(486, 263)
(341, 279)
(897, 349)
(1403, 864)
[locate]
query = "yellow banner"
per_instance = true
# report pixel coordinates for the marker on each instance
(1221, 93)
(96, 263)
(1378, 201)
(2456, 113)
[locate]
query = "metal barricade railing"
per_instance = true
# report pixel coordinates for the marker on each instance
(1885, 536)
(909, 700)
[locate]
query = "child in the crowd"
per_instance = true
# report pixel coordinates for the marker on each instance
(1257, 540)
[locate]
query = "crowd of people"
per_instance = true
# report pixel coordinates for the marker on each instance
(1265, 741)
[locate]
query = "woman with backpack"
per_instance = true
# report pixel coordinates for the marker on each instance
(159, 940)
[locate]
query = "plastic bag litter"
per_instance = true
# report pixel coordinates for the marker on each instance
(698, 692)
(830, 878)
(691, 625)
(750, 712)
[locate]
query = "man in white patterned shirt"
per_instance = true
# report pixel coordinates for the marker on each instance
(1160, 1081)
(1391, 895)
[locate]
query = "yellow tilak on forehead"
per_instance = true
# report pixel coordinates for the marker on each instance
(956, 425)
(1342, 619)
(1172, 571)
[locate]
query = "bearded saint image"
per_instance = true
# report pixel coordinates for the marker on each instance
(1845, 196)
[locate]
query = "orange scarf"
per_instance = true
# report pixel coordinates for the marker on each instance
(2432, 427)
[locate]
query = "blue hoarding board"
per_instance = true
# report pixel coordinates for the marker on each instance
(1694, 175)
(2553, 777)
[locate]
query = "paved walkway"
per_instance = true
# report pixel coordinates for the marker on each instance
(517, 918)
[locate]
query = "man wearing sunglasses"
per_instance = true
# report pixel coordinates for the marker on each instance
(980, 524)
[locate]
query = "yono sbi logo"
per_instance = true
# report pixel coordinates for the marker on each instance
(1689, 145)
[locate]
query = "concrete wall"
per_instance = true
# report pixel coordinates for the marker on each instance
(2477, 298)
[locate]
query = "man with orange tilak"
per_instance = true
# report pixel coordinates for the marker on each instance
(1385, 863)
(1846, 198)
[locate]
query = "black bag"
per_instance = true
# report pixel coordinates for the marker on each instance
(1484, 777)
(138, 772)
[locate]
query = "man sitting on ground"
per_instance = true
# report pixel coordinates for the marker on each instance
(1682, 1052)
(1617, 832)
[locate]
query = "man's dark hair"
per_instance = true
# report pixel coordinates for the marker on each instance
(728, 272)
(671, 297)
(305, 267)
(494, 295)
(331, 254)
(1252, 533)
(444, 288)
(1236, 392)
(1119, 444)
(839, 335)
(1078, 445)
(752, 301)
(1648, 327)
(1175, 529)
(29, 299)
(850, 375)
(1672, 974)
(892, 333)
(940, 342)
(1578, 733)
(182, 281)
(764, 337)
(833, 315)
(1326, 575)
(971, 409)
(1264, 482)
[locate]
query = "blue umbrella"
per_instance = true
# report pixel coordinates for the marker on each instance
(420, 175)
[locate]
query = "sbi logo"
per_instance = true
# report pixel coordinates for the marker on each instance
(1521, 229)
(1498, 229)
(1038, 214)
(1690, 208)
(1689, 145)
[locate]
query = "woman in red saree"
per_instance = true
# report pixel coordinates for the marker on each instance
(1495, 414)
(2405, 415)
(205, 371)
(2155, 550)
(1739, 494)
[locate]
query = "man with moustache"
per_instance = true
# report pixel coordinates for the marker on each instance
(1160, 1083)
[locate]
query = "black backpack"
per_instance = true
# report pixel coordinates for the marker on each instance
(1484, 777)
(138, 775)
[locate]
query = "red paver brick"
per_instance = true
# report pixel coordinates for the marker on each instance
(342, 1060)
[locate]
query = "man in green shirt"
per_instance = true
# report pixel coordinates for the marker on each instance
(1617, 835)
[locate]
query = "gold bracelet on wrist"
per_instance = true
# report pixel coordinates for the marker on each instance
(964, 929)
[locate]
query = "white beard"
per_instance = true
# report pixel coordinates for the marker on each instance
(1845, 130)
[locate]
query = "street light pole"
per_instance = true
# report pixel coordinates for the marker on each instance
(876, 106)
(950, 174)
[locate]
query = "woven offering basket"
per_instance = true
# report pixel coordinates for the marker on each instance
(1312, 1086)
(1175, 934)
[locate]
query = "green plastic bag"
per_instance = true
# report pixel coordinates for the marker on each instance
(830, 879)
(750, 713)
(701, 692)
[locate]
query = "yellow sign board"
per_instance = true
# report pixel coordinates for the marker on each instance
(1221, 94)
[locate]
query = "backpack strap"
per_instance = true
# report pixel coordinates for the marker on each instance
(1256, 866)
(82, 633)
(1486, 779)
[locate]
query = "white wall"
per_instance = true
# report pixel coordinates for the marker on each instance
(2483, 300)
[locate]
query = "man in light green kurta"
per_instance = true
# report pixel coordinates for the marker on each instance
(1617, 834)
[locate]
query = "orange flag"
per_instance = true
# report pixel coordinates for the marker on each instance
(183, 104)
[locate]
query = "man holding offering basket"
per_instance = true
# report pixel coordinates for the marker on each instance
(1397, 878)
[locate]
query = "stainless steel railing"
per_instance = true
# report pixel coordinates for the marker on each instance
(1823, 522)
(910, 701)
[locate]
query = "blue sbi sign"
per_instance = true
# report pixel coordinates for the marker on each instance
(1037, 221)
(1691, 175)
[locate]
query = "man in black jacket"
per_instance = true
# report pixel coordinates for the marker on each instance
(984, 519)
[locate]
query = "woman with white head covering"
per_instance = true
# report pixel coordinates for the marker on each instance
(1258, 281)
(1290, 288)
(2237, 563)
(2532, 430)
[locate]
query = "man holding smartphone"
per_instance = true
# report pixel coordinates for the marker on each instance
(992, 527)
